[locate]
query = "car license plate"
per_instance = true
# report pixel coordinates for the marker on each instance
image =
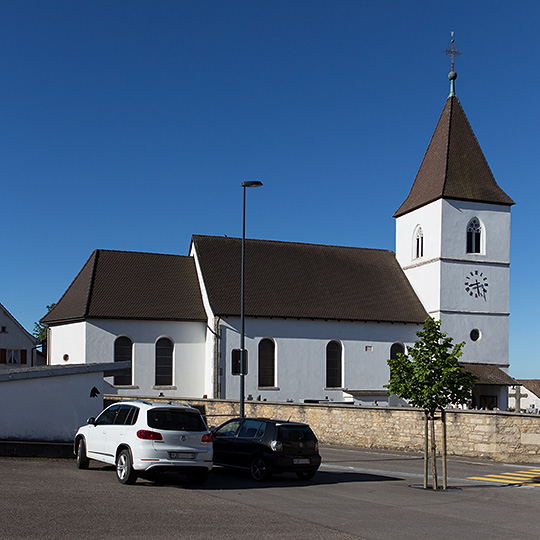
(181, 455)
(299, 461)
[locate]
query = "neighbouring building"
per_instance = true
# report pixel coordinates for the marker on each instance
(17, 346)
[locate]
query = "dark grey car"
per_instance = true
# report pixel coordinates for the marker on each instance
(264, 447)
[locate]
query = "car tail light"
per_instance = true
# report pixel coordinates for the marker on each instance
(207, 437)
(149, 435)
(276, 446)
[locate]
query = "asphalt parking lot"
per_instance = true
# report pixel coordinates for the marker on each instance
(356, 494)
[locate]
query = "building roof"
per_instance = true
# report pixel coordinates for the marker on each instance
(533, 385)
(294, 280)
(488, 374)
(23, 330)
(454, 166)
(131, 285)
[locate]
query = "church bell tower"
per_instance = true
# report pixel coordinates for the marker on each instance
(453, 238)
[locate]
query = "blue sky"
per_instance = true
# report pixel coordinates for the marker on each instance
(129, 125)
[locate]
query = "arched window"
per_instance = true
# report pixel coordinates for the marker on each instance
(418, 243)
(123, 348)
(474, 236)
(395, 349)
(267, 363)
(333, 365)
(164, 362)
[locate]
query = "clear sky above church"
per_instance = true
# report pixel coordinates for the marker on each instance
(129, 125)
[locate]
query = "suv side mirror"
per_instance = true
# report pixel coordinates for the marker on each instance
(91, 420)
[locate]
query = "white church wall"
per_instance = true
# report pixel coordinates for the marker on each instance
(427, 217)
(67, 344)
(188, 354)
(454, 294)
(301, 356)
(425, 280)
(495, 222)
(491, 348)
(93, 342)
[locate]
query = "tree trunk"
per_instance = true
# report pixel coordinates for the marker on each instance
(445, 474)
(426, 449)
(434, 453)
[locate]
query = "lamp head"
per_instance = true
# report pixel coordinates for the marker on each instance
(251, 183)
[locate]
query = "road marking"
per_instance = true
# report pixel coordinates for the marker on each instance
(530, 477)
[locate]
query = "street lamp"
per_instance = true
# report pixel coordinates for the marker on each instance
(243, 355)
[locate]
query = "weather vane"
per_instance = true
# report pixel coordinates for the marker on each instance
(452, 52)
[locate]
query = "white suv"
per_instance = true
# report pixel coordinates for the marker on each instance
(139, 436)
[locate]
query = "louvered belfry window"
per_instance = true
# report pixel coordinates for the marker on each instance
(267, 363)
(333, 365)
(164, 363)
(123, 348)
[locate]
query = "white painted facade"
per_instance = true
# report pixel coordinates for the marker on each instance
(300, 356)
(93, 342)
(439, 275)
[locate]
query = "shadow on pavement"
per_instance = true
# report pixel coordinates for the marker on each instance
(227, 479)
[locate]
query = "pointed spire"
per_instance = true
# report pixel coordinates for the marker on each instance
(452, 52)
(454, 166)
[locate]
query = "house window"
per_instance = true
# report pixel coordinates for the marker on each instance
(13, 356)
(267, 363)
(123, 352)
(164, 363)
(418, 243)
(333, 365)
(474, 236)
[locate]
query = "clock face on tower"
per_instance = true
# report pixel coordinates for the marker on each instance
(476, 284)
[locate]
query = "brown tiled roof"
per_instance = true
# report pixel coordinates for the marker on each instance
(489, 374)
(285, 279)
(533, 385)
(454, 166)
(131, 285)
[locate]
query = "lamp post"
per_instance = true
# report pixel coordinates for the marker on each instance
(243, 359)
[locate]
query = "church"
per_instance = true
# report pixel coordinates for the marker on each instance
(321, 321)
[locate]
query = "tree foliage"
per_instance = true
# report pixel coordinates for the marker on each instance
(429, 375)
(40, 330)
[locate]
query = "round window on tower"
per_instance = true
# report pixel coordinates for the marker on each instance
(475, 334)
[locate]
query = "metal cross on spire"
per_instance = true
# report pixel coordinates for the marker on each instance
(452, 52)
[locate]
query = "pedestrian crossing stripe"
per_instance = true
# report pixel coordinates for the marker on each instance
(530, 477)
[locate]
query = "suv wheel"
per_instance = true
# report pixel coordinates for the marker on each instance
(259, 469)
(124, 468)
(82, 458)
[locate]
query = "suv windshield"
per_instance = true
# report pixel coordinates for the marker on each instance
(175, 420)
(296, 433)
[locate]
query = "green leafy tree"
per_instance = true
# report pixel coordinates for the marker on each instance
(429, 377)
(40, 330)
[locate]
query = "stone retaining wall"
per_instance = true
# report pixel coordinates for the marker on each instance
(501, 436)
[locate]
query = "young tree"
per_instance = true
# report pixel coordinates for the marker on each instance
(429, 377)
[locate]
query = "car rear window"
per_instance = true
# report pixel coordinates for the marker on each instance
(296, 433)
(175, 420)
